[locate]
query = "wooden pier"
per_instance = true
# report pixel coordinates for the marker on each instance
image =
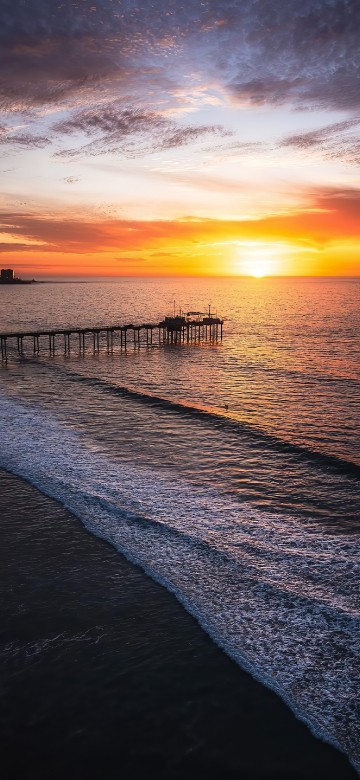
(177, 329)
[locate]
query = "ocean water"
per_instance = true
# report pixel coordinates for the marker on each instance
(249, 516)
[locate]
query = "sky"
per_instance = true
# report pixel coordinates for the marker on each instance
(169, 137)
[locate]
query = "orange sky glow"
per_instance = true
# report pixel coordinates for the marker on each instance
(161, 145)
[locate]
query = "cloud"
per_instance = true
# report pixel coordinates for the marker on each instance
(207, 182)
(66, 54)
(129, 131)
(333, 141)
(345, 202)
(23, 140)
(329, 214)
(259, 51)
(34, 74)
(105, 66)
(317, 137)
(131, 259)
(71, 179)
(303, 53)
(11, 247)
(54, 233)
(50, 53)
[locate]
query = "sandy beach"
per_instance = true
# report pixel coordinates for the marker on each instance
(105, 675)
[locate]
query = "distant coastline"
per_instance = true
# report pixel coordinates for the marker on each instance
(19, 281)
(7, 276)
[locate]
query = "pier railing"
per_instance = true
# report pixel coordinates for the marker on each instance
(170, 330)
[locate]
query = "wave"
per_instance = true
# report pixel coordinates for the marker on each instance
(219, 418)
(254, 581)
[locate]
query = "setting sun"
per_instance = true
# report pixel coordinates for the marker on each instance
(259, 266)
(258, 259)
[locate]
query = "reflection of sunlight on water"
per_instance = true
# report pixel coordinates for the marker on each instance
(288, 364)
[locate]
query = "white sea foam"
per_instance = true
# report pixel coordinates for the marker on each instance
(33, 650)
(276, 593)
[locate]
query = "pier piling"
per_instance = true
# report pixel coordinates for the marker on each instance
(191, 328)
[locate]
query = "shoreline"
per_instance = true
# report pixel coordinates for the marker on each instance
(107, 672)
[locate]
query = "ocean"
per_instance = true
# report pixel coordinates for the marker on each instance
(228, 471)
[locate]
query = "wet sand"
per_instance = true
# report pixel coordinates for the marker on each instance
(104, 674)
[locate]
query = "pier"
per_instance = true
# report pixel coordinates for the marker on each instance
(193, 327)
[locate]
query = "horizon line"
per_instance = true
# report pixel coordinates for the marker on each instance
(90, 277)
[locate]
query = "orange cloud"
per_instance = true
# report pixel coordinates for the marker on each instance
(323, 238)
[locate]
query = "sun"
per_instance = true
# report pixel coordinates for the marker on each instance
(260, 258)
(258, 262)
(260, 267)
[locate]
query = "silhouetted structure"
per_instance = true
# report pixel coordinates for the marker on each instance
(192, 327)
(7, 276)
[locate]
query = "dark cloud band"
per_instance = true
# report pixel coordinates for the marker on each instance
(303, 52)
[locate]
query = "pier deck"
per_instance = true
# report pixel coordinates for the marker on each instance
(170, 330)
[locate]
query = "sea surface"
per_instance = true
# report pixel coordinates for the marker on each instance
(249, 514)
